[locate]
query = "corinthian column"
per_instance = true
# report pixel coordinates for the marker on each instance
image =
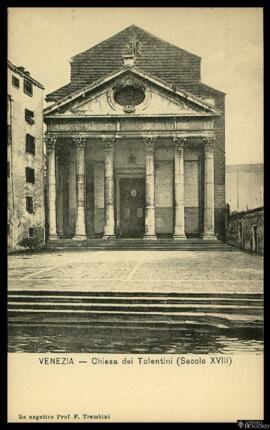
(179, 191)
(209, 204)
(51, 186)
(150, 227)
(80, 186)
(108, 189)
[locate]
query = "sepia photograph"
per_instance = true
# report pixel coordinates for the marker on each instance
(135, 183)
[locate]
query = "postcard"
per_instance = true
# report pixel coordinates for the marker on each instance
(135, 215)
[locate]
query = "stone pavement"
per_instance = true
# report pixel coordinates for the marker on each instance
(164, 271)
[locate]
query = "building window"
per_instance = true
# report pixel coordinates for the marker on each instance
(31, 232)
(29, 204)
(30, 144)
(15, 82)
(28, 87)
(29, 116)
(8, 169)
(30, 175)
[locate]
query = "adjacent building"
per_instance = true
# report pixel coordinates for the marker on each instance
(245, 230)
(245, 211)
(244, 186)
(25, 159)
(135, 144)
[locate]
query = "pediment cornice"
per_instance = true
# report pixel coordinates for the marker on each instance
(197, 106)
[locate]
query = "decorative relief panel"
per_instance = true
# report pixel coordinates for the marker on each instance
(129, 92)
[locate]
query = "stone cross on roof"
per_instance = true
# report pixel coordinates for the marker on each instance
(134, 47)
(134, 50)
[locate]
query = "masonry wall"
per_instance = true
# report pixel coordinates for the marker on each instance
(244, 186)
(245, 230)
(19, 220)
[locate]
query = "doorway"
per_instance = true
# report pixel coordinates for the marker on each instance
(132, 203)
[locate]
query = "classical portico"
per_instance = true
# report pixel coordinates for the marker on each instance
(82, 148)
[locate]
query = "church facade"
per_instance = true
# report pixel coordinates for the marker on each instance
(135, 145)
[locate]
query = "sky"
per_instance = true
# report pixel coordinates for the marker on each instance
(229, 41)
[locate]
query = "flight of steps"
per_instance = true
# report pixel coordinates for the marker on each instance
(126, 309)
(140, 244)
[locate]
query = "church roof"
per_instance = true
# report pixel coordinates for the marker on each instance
(154, 56)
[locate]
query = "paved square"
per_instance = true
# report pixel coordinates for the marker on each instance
(181, 271)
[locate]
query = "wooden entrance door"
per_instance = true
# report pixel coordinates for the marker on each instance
(132, 202)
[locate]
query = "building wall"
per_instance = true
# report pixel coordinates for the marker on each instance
(244, 186)
(245, 230)
(19, 220)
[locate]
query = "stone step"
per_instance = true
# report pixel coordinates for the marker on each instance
(137, 294)
(138, 241)
(138, 319)
(143, 308)
(131, 244)
(18, 299)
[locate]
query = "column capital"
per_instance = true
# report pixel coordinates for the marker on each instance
(149, 142)
(79, 142)
(108, 142)
(209, 143)
(179, 142)
(50, 143)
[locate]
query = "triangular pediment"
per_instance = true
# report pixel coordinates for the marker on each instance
(130, 92)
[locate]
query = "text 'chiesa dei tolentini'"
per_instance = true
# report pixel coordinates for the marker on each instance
(135, 144)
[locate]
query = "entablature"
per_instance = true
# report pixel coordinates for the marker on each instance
(136, 126)
(119, 136)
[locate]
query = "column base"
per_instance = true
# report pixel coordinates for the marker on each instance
(179, 237)
(150, 237)
(79, 237)
(108, 237)
(209, 237)
(53, 237)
